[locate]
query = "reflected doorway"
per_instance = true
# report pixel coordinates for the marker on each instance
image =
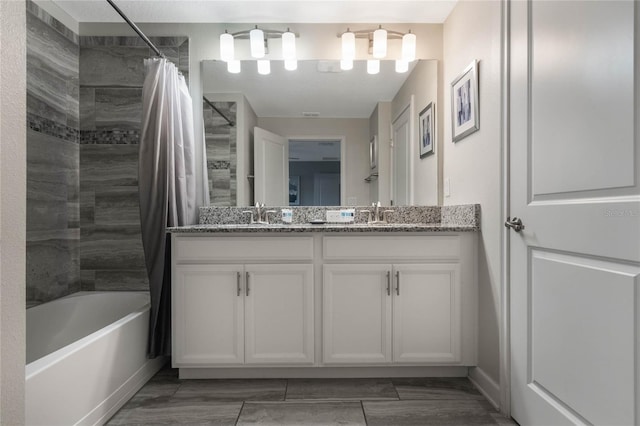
(315, 172)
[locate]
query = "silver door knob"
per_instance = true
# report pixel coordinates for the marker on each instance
(515, 224)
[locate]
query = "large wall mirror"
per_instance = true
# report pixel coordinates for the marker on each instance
(304, 137)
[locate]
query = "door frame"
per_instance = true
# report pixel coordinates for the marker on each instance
(343, 157)
(410, 106)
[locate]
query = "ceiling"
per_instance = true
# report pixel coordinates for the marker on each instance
(263, 11)
(315, 87)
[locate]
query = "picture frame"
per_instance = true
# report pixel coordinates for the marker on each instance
(373, 152)
(427, 130)
(294, 190)
(465, 113)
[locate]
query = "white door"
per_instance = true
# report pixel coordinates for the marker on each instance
(401, 139)
(270, 168)
(356, 314)
(279, 314)
(574, 280)
(326, 188)
(209, 319)
(426, 313)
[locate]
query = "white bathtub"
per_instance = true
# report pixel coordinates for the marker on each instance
(86, 356)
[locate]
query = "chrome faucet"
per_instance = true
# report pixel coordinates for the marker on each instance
(259, 214)
(374, 214)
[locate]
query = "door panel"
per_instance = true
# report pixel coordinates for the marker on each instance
(426, 313)
(271, 168)
(575, 267)
(356, 314)
(401, 129)
(279, 314)
(209, 316)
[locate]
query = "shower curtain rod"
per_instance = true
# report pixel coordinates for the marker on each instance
(231, 123)
(137, 30)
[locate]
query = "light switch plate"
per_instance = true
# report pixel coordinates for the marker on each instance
(447, 187)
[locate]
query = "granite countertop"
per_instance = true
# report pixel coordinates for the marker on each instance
(328, 227)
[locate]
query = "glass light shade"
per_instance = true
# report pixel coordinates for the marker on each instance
(348, 46)
(346, 64)
(379, 43)
(290, 64)
(233, 66)
(402, 66)
(256, 38)
(264, 66)
(288, 45)
(409, 47)
(373, 66)
(226, 47)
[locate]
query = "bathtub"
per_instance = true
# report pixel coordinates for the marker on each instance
(86, 356)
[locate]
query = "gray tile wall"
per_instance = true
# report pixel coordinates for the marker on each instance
(53, 215)
(220, 140)
(110, 93)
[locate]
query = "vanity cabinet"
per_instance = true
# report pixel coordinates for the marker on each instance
(241, 313)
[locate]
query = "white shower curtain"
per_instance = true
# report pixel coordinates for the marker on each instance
(167, 185)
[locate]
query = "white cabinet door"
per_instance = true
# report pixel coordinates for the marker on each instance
(279, 314)
(426, 313)
(208, 315)
(356, 314)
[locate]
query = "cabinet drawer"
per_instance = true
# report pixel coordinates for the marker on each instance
(241, 249)
(389, 248)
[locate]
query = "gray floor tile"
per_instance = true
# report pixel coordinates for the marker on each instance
(422, 413)
(436, 388)
(341, 389)
(169, 411)
(233, 390)
(502, 420)
(301, 413)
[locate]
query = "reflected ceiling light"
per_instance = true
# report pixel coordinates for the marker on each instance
(409, 47)
(288, 45)
(346, 64)
(373, 66)
(233, 66)
(264, 66)
(290, 64)
(348, 46)
(402, 66)
(256, 36)
(226, 46)
(380, 43)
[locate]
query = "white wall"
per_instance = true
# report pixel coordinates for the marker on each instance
(380, 126)
(317, 41)
(423, 85)
(13, 198)
(356, 134)
(473, 31)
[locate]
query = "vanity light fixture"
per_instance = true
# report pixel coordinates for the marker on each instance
(258, 40)
(373, 66)
(378, 43)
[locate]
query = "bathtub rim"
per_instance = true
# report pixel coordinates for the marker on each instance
(35, 367)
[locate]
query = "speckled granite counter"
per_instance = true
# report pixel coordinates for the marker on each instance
(464, 218)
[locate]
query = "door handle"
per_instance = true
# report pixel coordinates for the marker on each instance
(515, 224)
(239, 287)
(246, 284)
(398, 283)
(388, 283)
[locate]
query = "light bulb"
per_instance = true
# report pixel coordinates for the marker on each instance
(409, 47)
(402, 66)
(226, 47)
(290, 64)
(379, 43)
(348, 45)
(346, 64)
(373, 66)
(264, 66)
(256, 38)
(233, 66)
(288, 45)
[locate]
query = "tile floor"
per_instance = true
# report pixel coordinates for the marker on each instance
(167, 400)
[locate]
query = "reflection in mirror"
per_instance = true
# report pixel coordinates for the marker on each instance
(318, 102)
(314, 172)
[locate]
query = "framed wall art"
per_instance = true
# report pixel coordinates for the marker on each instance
(465, 115)
(427, 130)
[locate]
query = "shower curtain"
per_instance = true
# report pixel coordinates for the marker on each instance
(167, 185)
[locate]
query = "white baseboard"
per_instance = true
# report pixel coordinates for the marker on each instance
(320, 372)
(486, 385)
(107, 408)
